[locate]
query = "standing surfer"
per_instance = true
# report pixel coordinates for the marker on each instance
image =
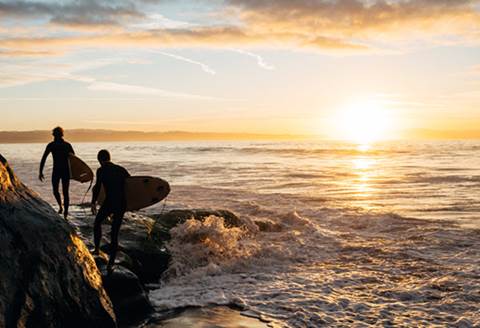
(60, 150)
(112, 177)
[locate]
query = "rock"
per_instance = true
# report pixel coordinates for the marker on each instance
(175, 217)
(136, 251)
(142, 239)
(214, 316)
(266, 225)
(129, 298)
(48, 277)
(160, 231)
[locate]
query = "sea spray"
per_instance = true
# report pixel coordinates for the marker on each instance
(206, 246)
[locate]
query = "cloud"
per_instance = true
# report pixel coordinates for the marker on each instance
(347, 26)
(26, 53)
(352, 17)
(203, 66)
(73, 13)
(134, 89)
(260, 61)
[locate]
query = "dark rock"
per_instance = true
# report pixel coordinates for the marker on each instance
(175, 217)
(142, 239)
(160, 231)
(137, 252)
(129, 298)
(269, 226)
(214, 316)
(48, 277)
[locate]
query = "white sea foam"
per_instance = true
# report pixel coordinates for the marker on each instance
(362, 270)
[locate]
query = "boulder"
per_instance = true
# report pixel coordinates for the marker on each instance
(136, 251)
(48, 277)
(129, 298)
(166, 221)
(142, 239)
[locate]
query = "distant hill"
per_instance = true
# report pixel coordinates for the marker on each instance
(85, 135)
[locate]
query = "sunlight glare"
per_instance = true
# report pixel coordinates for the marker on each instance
(363, 124)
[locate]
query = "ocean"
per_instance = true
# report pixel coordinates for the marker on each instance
(352, 236)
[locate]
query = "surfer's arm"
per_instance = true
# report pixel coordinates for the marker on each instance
(42, 162)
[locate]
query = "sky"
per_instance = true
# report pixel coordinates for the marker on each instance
(259, 66)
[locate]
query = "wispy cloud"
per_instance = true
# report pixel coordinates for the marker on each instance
(159, 21)
(260, 61)
(203, 66)
(25, 73)
(141, 90)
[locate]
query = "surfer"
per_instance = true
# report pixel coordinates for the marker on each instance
(112, 177)
(60, 150)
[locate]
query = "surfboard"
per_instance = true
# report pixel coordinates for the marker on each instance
(142, 191)
(79, 170)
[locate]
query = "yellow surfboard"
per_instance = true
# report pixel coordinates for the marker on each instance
(142, 191)
(79, 170)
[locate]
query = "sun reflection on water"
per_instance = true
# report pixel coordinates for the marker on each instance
(363, 168)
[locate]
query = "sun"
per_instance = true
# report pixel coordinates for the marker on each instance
(363, 123)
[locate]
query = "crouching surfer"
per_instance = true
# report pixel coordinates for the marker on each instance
(60, 150)
(112, 177)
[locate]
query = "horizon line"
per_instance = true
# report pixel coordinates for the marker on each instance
(109, 135)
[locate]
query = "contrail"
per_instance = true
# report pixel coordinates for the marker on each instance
(260, 61)
(205, 67)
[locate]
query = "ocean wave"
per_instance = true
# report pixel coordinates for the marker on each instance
(347, 268)
(443, 179)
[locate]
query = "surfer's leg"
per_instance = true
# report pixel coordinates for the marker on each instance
(117, 222)
(66, 196)
(97, 227)
(56, 193)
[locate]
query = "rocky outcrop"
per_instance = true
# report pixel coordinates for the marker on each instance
(137, 252)
(142, 239)
(129, 297)
(142, 257)
(47, 276)
(172, 218)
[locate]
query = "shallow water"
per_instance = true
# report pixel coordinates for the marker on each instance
(385, 236)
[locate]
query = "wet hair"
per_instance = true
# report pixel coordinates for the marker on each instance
(57, 132)
(103, 156)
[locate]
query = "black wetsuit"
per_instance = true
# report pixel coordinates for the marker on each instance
(112, 177)
(60, 150)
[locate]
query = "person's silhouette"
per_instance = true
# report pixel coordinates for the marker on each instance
(60, 150)
(112, 177)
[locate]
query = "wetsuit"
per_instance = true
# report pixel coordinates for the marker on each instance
(112, 177)
(60, 150)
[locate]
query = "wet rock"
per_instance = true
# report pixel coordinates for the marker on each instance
(175, 217)
(160, 231)
(129, 298)
(137, 251)
(269, 226)
(142, 239)
(48, 277)
(215, 316)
